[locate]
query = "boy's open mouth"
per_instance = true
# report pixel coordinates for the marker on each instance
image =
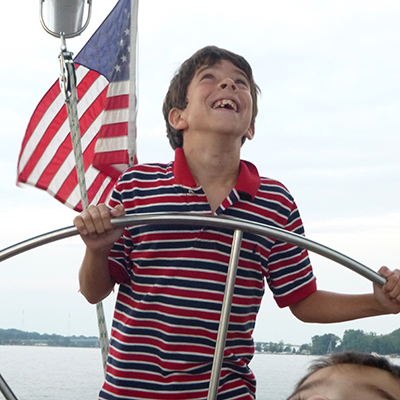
(225, 103)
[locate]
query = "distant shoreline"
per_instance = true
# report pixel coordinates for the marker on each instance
(16, 337)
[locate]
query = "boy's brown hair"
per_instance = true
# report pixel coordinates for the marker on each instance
(176, 96)
(350, 357)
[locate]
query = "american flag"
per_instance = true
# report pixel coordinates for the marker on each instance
(104, 76)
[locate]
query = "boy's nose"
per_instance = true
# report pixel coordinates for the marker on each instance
(228, 83)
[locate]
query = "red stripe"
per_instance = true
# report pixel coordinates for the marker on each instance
(113, 130)
(105, 161)
(86, 83)
(96, 185)
(41, 108)
(56, 162)
(52, 129)
(65, 147)
(71, 180)
(68, 186)
(105, 193)
(111, 157)
(117, 102)
(47, 136)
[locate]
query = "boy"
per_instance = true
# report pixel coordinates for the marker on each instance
(350, 375)
(172, 277)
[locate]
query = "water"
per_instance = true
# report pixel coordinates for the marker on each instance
(277, 374)
(39, 373)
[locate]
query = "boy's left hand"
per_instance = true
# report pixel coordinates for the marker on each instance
(388, 296)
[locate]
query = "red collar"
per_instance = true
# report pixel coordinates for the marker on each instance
(248, 181)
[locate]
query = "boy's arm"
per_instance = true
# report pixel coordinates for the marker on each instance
(330, 307)
(94, 225)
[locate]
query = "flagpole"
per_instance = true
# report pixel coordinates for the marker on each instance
(132, 84)
(68, 85)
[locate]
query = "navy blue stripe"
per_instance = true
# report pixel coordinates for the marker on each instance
(292, 285)
(276, 274)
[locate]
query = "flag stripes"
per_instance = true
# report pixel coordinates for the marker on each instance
(47, 159)
(103, 78)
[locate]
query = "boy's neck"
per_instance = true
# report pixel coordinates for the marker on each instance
(215, 168)
(213, 162)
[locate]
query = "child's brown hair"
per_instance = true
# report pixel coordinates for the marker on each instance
(176, 96)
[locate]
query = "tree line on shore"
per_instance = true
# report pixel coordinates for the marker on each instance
(355, 340)
(21, 338)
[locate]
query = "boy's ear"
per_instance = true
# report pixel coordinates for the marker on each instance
(177, 120)
(250, 132)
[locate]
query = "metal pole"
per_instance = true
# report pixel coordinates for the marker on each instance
(132, 84)
(6, 390)
(238, 226)
(205, 220)
(225, 313)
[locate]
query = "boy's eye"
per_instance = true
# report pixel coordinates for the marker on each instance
(242, 82)
(207, 76)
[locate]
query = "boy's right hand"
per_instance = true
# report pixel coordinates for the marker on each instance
(94, 226)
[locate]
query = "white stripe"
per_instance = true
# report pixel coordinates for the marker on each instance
(100, 191)
(54, 145)
(75, 197)
(115, 116)
(118, 88)
(120, 167)
(48, 154)
(45, 121)
(111, 144)
(59, 178)
(69, 163)
(37, 134)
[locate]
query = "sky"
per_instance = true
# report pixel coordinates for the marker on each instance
(328, 128)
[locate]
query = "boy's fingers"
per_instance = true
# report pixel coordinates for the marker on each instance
(80, 225)
(101, 218)
(104, 219)
(392, 287)
(91, 219)
(385, 272)
(96, 220)
(118, 211)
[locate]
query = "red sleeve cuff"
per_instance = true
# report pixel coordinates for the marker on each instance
(297, 295)
(117, 272)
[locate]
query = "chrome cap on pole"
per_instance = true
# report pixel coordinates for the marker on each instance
(65, 17)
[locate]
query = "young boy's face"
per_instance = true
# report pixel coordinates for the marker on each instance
(349, 382)
(219, 101)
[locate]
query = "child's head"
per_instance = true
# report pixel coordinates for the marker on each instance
(350, 375)
(177, 93)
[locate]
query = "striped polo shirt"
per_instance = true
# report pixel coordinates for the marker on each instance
(172, 281)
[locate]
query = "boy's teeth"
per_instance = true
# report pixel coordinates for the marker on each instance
(225, 102)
